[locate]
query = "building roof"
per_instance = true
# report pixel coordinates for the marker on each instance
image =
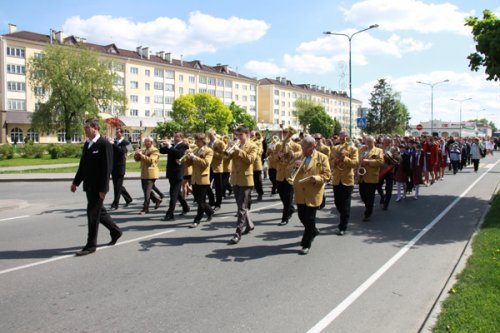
(113, 50)
(281, 81)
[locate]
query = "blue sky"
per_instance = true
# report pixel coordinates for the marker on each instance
(418, 40)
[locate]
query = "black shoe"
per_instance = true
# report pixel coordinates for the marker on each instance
(366, 219)
(115, 238)
(385, 207)
(216, 208)
(168, 218)
(247, 230)
(127, 203)
(194, 224)
(234, 240)
(157, 204)
(209, 218)
(284, 222)
(259, 197)
(185, 211)
(85, 251)
(304, 251)
(341, 232)
(113, 207)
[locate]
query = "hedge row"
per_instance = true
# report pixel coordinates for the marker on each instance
(33, 150)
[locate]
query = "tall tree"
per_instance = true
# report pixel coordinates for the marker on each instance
(486, 34)
(241, 116)
(388, 115)
(322, 123)
(337, 128)
(306, 110)
(200, 112)
(78, 85)
(167, 129)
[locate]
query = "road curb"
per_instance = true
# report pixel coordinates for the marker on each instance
(48, 179)
(431, 319)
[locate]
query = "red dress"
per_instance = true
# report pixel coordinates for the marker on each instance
(417, 167)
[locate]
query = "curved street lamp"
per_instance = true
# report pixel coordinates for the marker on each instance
(349, 37)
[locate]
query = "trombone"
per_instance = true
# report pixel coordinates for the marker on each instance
(295, 171)
(186, 154)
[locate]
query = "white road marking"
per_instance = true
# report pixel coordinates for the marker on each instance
(14, 218)
(38, 263)
(252, 210)
(330, 317)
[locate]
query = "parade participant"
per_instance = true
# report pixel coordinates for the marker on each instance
(284, 155)
(431, 159)
(455, 157)
(200, 159)
(311, 172)
(120, 149)
(368, 183)
(386, 176)
(417, 167)
(226, 171)
(272, 163)
(188, 172)
(215, 170)
(443, 158)
(257, 164)
(175, 173)
(403, 173)
(344, 163)
(149, 158)
(324, 149)
(243, 153)
(94, 170)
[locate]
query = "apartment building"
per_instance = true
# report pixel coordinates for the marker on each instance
(151, 81)
(277, 98)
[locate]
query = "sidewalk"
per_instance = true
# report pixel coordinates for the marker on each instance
(50, 177)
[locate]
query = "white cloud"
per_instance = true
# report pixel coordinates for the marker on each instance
(202, 33)
(264, 68)
(308, 63)
(417, 97)
(408, 15)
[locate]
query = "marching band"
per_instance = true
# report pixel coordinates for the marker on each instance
(299, 168)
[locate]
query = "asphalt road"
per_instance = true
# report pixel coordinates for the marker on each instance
(382, 276)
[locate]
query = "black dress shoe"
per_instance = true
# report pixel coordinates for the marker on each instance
(157, 204)
(185, 211)
(194, 224)
(247, 230)
(209, 218)
(113, 207)
(284, 222)
(234, 240)
(341, 232)
(85, 251)
(115, 238)
(128, 203)
(168, 218)
(259, 197)
(304, 251)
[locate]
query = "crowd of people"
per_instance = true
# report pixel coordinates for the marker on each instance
(299, 167)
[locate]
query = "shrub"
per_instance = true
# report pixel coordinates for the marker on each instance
(71, 150)
(6, 152)
(38, 150)
(54, 150)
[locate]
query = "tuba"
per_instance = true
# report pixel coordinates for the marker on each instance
(392, 157)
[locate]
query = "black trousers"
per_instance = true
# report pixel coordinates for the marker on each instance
(96, 213)
(455, 165)
(257, 181)
(476, 164)
(387, 194)
(200, 196)
(342, 197)
(175, 195)
(216, 178)
(147, 188)
(307, 216)
(367, 193)
(285, 191)
(119, 189)
(226, 185)
(272, 178)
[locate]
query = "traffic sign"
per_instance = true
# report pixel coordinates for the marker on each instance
(420, 127)
(361, 122)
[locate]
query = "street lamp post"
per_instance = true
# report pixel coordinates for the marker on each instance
(461, 101)
(432, 99)
(349, 37)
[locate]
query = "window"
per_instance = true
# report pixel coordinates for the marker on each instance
(237, 97)
(244, 87)
(37, 55)
(252, 87)
(228, 83)
(147, 72)
(126, 134)
(146, 113)
(136, 136)
(192, 91)
(203, 79)
(134, 85)
(276, 92)
(147, 100)
(134, 70)
(202, 90)
(283, 103)
(61, 136)
(192, 79)
(236, 86)
(147, 86)
(228, 94)
(181, 78)
(76, 138)
(277, 112)
(32, 135)
(244, 98)
(220, 82)
(276, 102)
(16, 105)
(169, 74)
(158, 85)
(16, 135)
(16, 69)
(159, 113)
(283, 113)
(220, 94)
(39, 91)
(15, 52)
(169, 87)
(169, 100)
(211, 81)
(158, 72)
(134, 99)
(119, 81)
(253, 98)
(211, 92)
(16, 86)
(134, 112)
(282, 94)
(119, 67)
(181, 90)
(158, 99)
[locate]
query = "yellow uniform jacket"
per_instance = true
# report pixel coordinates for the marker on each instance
(242, 168)
(306, 192)
(149, 163)
(201, 166)
(283, 169)
(344, 172)
(376, 160)
(218, 148)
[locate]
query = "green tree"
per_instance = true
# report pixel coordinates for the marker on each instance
(486, 34)
(322, 123)
(306, 111)
(167, 129)
(485, 121)
(78, 85)
(241, 116)
(337, 128)
(388, 115)
(199, 112)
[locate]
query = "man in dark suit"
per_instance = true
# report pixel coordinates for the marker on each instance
(120, 150)
(175, 173)
(94, 170)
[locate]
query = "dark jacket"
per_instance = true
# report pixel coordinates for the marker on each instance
(120, 151)
(174, 170)
(95, 166)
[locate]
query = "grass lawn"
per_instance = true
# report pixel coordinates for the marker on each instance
(474, 302)
(19, 161)
(131, 167)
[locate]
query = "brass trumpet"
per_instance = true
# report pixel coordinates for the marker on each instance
(230, 150)
(186, 154)
(295, 171)
(275, 140)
